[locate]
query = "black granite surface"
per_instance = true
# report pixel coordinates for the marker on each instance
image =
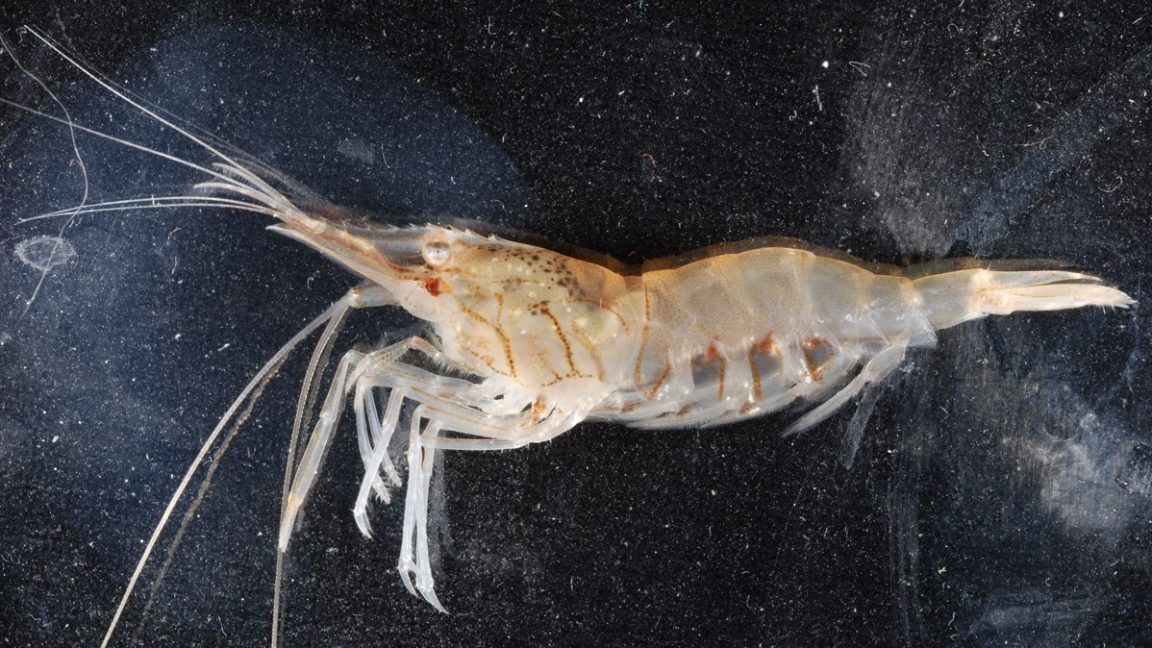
(1000, 495)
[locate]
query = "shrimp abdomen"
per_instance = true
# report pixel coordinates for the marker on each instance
(738, 335)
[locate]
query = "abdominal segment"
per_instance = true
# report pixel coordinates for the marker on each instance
(736, 336)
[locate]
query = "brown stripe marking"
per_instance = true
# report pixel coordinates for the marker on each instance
(766, 346)
(651, 394)
(539, 408)
(592, 350)
(507, 344)
(645, 334)
(637, 374)
(713, 355)
(816, 357)
(543, 306)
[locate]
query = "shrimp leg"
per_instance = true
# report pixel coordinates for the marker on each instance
(404, 382)
(416, 561)
(374, 432)
(352, 367)
(445, 404)
(491, 433)
(381, 370)
(366, 295)
(330, 319)
(877, 368)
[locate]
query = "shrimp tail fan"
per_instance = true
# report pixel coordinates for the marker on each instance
(954, 297)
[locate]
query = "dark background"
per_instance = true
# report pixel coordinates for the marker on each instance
(1001, 492)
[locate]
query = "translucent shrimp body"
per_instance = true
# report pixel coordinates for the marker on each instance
(536, 342)
(742, 334)
(722, 338)
(527, 342)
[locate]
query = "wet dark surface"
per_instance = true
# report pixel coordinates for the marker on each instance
(1001, 494)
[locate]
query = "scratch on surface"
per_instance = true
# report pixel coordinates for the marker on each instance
(72, 214)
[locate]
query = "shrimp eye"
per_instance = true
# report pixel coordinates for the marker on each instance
(436, 253)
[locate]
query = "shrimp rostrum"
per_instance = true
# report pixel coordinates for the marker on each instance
(526, 342)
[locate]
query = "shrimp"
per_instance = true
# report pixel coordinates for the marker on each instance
(526, 342)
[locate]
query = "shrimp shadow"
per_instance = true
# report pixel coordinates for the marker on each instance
(992, 155)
